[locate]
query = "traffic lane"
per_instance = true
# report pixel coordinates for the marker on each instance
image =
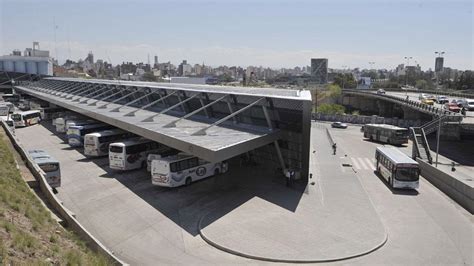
(425, 227)
(416, 97)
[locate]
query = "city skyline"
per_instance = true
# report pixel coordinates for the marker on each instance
(263, 33)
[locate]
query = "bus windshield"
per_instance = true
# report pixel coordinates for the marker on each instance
(161, 168)
(116, 149)
(16, 117)
(407, 174)
(50, 167)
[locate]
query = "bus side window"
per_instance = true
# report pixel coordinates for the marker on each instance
(193, 162)
(173, 167)
(183, 165)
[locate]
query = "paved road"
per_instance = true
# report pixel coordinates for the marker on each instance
(423, 228)
(147, 225)
(415, 97)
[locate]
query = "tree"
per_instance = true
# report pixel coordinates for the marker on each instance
(346, 80)
(334, 90)
(421, 84)
(327, 108)
(148, 76)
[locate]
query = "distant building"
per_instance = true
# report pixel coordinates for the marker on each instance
(34, 61)
(439, 61)
(156, 61)
(184, 68)
(319, 70)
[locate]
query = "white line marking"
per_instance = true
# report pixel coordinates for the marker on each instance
(362, 163)
(354, 162)
(370, 163)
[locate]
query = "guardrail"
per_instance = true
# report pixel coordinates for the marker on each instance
(435, 92)
(429, 109)
(64, 213)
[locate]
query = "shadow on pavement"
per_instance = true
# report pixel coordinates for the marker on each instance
(460, 151)
(226, 192)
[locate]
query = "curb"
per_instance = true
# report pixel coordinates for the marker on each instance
(245, 255)
(65, 213)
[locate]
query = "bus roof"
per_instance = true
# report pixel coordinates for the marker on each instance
(130, 142)
(107, 132)
(176, 157)
(395, 155)
(41, 156)
(386, 126)
(28, 112)
(43, 160)
(86, 126)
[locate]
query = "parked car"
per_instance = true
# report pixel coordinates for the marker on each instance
(442, 99)
(453, 107)
(338, 125)
(427, 101)
(380, 91)
(468, 104)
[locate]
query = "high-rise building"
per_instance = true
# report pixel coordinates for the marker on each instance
(319, 70)
(439, 64)
(156, 61)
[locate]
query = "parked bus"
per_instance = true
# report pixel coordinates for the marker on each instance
(63, 124)
(49, 165)
(385, 133)
(11, 97)
(27, 118)
(131, 154)
(50, 113)
(397, 168)
(97, 143)
(60, 122)
(183, 169)
(165, 152)
(6, 108)
(75, 134)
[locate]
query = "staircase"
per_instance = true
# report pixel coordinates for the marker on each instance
(421, 148)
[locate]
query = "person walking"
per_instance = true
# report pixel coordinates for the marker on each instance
(334, 148)
(288, 177)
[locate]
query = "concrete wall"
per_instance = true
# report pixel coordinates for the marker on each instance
(454, 188)
(362, 119)
(63, 212)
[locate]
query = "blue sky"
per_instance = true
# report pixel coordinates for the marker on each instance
(267, 33)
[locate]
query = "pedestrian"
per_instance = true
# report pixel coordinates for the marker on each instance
(288, 176)
(334, 148)
(463, 111)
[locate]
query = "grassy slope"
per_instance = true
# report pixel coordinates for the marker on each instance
(28, 234)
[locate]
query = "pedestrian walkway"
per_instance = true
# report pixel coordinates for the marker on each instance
(334, 220)
(363, 163)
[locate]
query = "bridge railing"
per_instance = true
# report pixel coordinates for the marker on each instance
(430, 109)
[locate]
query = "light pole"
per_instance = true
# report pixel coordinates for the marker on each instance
(343, 75)
(439, 54)
(372, 65)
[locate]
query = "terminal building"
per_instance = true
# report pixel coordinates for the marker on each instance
(265, 125)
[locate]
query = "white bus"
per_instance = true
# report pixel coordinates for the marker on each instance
(49, 165)
(385, 133)
(6, 108)
(131, 154)
(50, 113)
(62, 124)
(164, 152)
(397, 168)
(27, 118)
(75, 134)
(97, 143)
(183, 169)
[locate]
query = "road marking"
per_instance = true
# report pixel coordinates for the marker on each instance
(354, 162)
(362, 163)
(370, 163)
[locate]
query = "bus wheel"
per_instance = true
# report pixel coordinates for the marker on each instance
(188, 181)
(216, 171)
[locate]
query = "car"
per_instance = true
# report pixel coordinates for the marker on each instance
(380, 91)
(453, 107)
(338, 125)
(427, 101)
(442, 99)
(468, 104)
(423, 96)
(431, 97)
